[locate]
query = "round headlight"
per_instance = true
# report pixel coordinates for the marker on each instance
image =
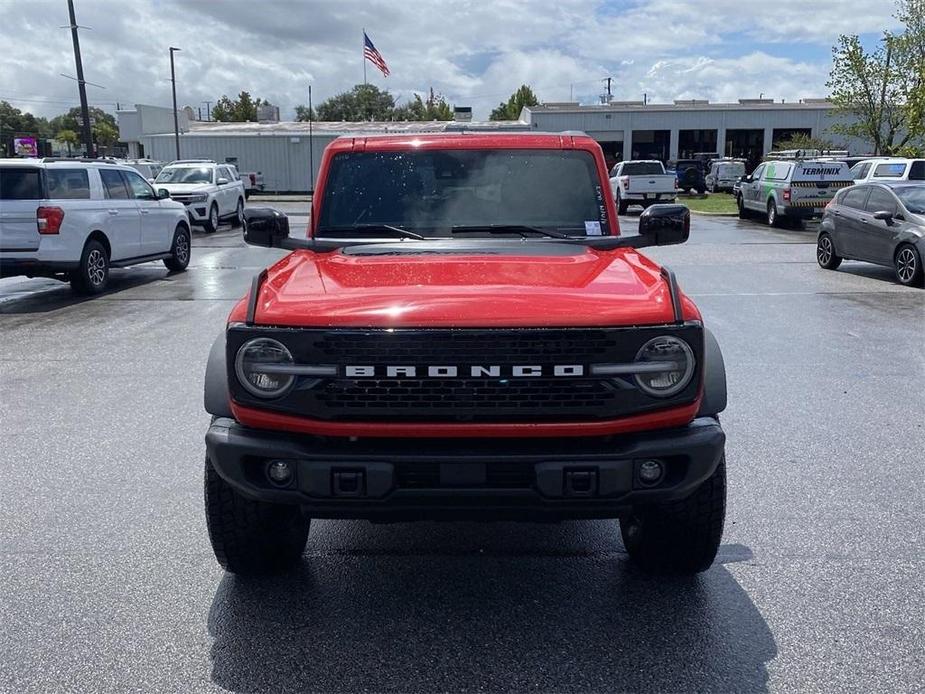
(256, 367)
(676, 360)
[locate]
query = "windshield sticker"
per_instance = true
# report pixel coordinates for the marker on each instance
(593, 228)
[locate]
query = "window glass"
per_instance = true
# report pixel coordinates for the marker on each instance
(854, 197)
(913, 197)
(642, 168)
(889, 170)
(917, 170)
(21, 184)
(185, 174)
(859, 171)
(68, 184)
(777, 171)
(880, 200)
(756, 174)
(114, 185)
(431, 191)
(139, 186)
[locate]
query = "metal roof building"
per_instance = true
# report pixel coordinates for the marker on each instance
(282, 151)
(636, 130)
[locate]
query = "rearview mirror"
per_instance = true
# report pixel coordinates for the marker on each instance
(222, 181)
(163, 193)
(883, 215)
(665, 225)
(266, 227)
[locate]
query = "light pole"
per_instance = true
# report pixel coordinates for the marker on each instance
(311, 141)
(173, 85)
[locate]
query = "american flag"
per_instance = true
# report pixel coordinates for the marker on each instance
(374, 56)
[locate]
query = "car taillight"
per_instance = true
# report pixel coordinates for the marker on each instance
(786, 195)
(48, 219)
(625, 180)
(676, 186)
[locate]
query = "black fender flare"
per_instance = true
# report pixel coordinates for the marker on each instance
(217, 397)
(714, 377)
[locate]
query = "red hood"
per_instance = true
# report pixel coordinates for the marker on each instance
(583, 288)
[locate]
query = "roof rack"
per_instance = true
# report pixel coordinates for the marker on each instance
(85, 160)
(806, 153)
(191, 161)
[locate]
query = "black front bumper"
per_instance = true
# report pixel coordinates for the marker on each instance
(538, 479)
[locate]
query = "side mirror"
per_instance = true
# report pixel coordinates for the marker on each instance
(222, 181)
(665, 225)
(266, 227)
(884, 216)
(150, 180)
(747, 178)
(163, 193)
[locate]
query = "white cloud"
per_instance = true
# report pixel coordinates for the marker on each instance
(477, 53)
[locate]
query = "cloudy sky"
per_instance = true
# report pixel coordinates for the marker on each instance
(475, 52)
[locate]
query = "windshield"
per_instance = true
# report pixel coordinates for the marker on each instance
(642, 168)
(433, 192)
(731, 170)
(913, 198)
(185, 174)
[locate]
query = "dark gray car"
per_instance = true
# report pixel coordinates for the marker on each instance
(878, 223)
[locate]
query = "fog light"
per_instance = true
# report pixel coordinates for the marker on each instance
(650, 472)
(279, 472)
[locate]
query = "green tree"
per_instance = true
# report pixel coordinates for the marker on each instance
(882, 91)
(802, 141)
(362, 103)
(524, 96)
(239, 110)
(434, 108)
(303, 113)
(105, 134)
(68, 137)
(69, 120)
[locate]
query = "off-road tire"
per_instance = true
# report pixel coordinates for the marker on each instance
(251, 537)
(92, 274)
(622, 206)
(179, 250)
(679, 537)
(908, 266)
(825, 253)
(211, 224)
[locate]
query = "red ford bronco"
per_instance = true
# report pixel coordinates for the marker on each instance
(464, 334)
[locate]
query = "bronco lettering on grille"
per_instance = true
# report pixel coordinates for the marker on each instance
(477, 371)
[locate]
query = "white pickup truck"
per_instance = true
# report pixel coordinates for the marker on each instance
(641, 182)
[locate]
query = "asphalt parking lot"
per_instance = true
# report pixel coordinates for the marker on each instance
(109, 585)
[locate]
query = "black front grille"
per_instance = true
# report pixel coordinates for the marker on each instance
(374, 397)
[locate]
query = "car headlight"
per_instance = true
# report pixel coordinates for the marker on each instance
(257, 366)
(198, 198)
(676, 361)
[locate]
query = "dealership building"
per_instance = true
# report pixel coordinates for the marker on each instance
(288, 153)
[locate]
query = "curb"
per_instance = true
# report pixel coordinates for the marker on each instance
(714, 214)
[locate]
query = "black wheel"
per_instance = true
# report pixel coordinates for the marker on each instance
(179, 250)
(622, 207)
(743, 211)
(211, 225)
(92, 275)
(680, 537)
(825, 253)
(774, 219)
(908, 266)
(239, 214)
(251, 537)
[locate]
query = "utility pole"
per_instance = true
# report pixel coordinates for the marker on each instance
(173, 85)
(311, 142)
(208, 110)
(81, 86)
(609, 94)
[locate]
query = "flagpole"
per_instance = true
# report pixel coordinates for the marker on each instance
(364, 56)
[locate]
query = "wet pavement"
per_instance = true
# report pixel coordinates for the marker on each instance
(109, 585)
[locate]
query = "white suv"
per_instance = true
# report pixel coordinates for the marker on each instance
(75, 219)
(210, 191)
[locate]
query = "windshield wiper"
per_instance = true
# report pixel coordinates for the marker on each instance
(521, 229)
(371, 227)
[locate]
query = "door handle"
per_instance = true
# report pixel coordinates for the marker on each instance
(113, 211)
(145, 211)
